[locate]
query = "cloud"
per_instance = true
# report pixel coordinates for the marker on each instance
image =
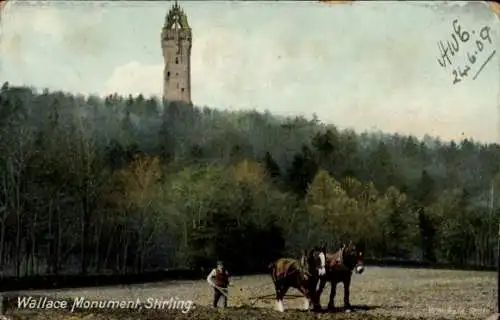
(56, 40)
(85, 36)
(221, 69)
(135, 78)
(77, 32)
(44, 21)
(385, 76)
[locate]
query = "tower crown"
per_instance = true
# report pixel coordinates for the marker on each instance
(176, 24)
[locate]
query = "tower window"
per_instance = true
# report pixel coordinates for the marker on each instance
(176, 60)
(168, 75)
(182, 89)
(177, 73)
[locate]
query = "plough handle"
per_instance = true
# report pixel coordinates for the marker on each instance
(221, 290)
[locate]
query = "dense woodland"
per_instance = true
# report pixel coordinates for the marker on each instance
(127, 184)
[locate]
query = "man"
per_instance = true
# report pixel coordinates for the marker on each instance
(219, 280)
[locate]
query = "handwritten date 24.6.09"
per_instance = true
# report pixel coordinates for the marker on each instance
(459, 38)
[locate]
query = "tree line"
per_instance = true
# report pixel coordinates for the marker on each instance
(128, 184)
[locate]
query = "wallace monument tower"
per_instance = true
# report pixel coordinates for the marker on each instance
(176, 40)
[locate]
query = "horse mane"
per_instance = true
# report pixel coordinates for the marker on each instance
(304, 258)
(340, 253)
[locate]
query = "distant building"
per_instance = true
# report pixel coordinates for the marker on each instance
(176, 41)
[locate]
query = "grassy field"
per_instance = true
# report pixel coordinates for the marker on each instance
(380, 293)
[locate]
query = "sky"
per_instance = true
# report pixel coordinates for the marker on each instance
(360, 65)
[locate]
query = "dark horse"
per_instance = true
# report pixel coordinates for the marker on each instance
(339, 268)
(291, 273)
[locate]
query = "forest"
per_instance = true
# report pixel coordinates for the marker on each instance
(129, 184)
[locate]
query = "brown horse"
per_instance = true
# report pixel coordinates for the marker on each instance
(339, 268)
(290, 273)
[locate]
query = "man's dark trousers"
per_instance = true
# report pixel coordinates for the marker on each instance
(217, 295)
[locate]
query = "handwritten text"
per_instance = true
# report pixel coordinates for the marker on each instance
(475, 47)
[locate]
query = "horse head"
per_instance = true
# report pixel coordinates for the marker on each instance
(353, 257)
(316, 261)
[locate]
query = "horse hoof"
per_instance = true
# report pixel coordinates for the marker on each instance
(279, 306)
(348, 310)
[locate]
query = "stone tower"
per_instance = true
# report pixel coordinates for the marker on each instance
(176, 40)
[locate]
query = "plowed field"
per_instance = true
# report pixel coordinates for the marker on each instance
(380, 293)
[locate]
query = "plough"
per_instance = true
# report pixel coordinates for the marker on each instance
(273, 297)
(253, 300)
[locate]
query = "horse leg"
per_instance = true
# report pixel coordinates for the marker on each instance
(319, 291)
(307, 296)
(280, 295)
(347, 285)
(333, 289)
(313, 294)
(307, 303)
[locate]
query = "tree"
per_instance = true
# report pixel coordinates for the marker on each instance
(399, 225)
(100, 184)
(425, 196)
(302, 171)
(271, 166)
(381, 167)
(332, 213)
